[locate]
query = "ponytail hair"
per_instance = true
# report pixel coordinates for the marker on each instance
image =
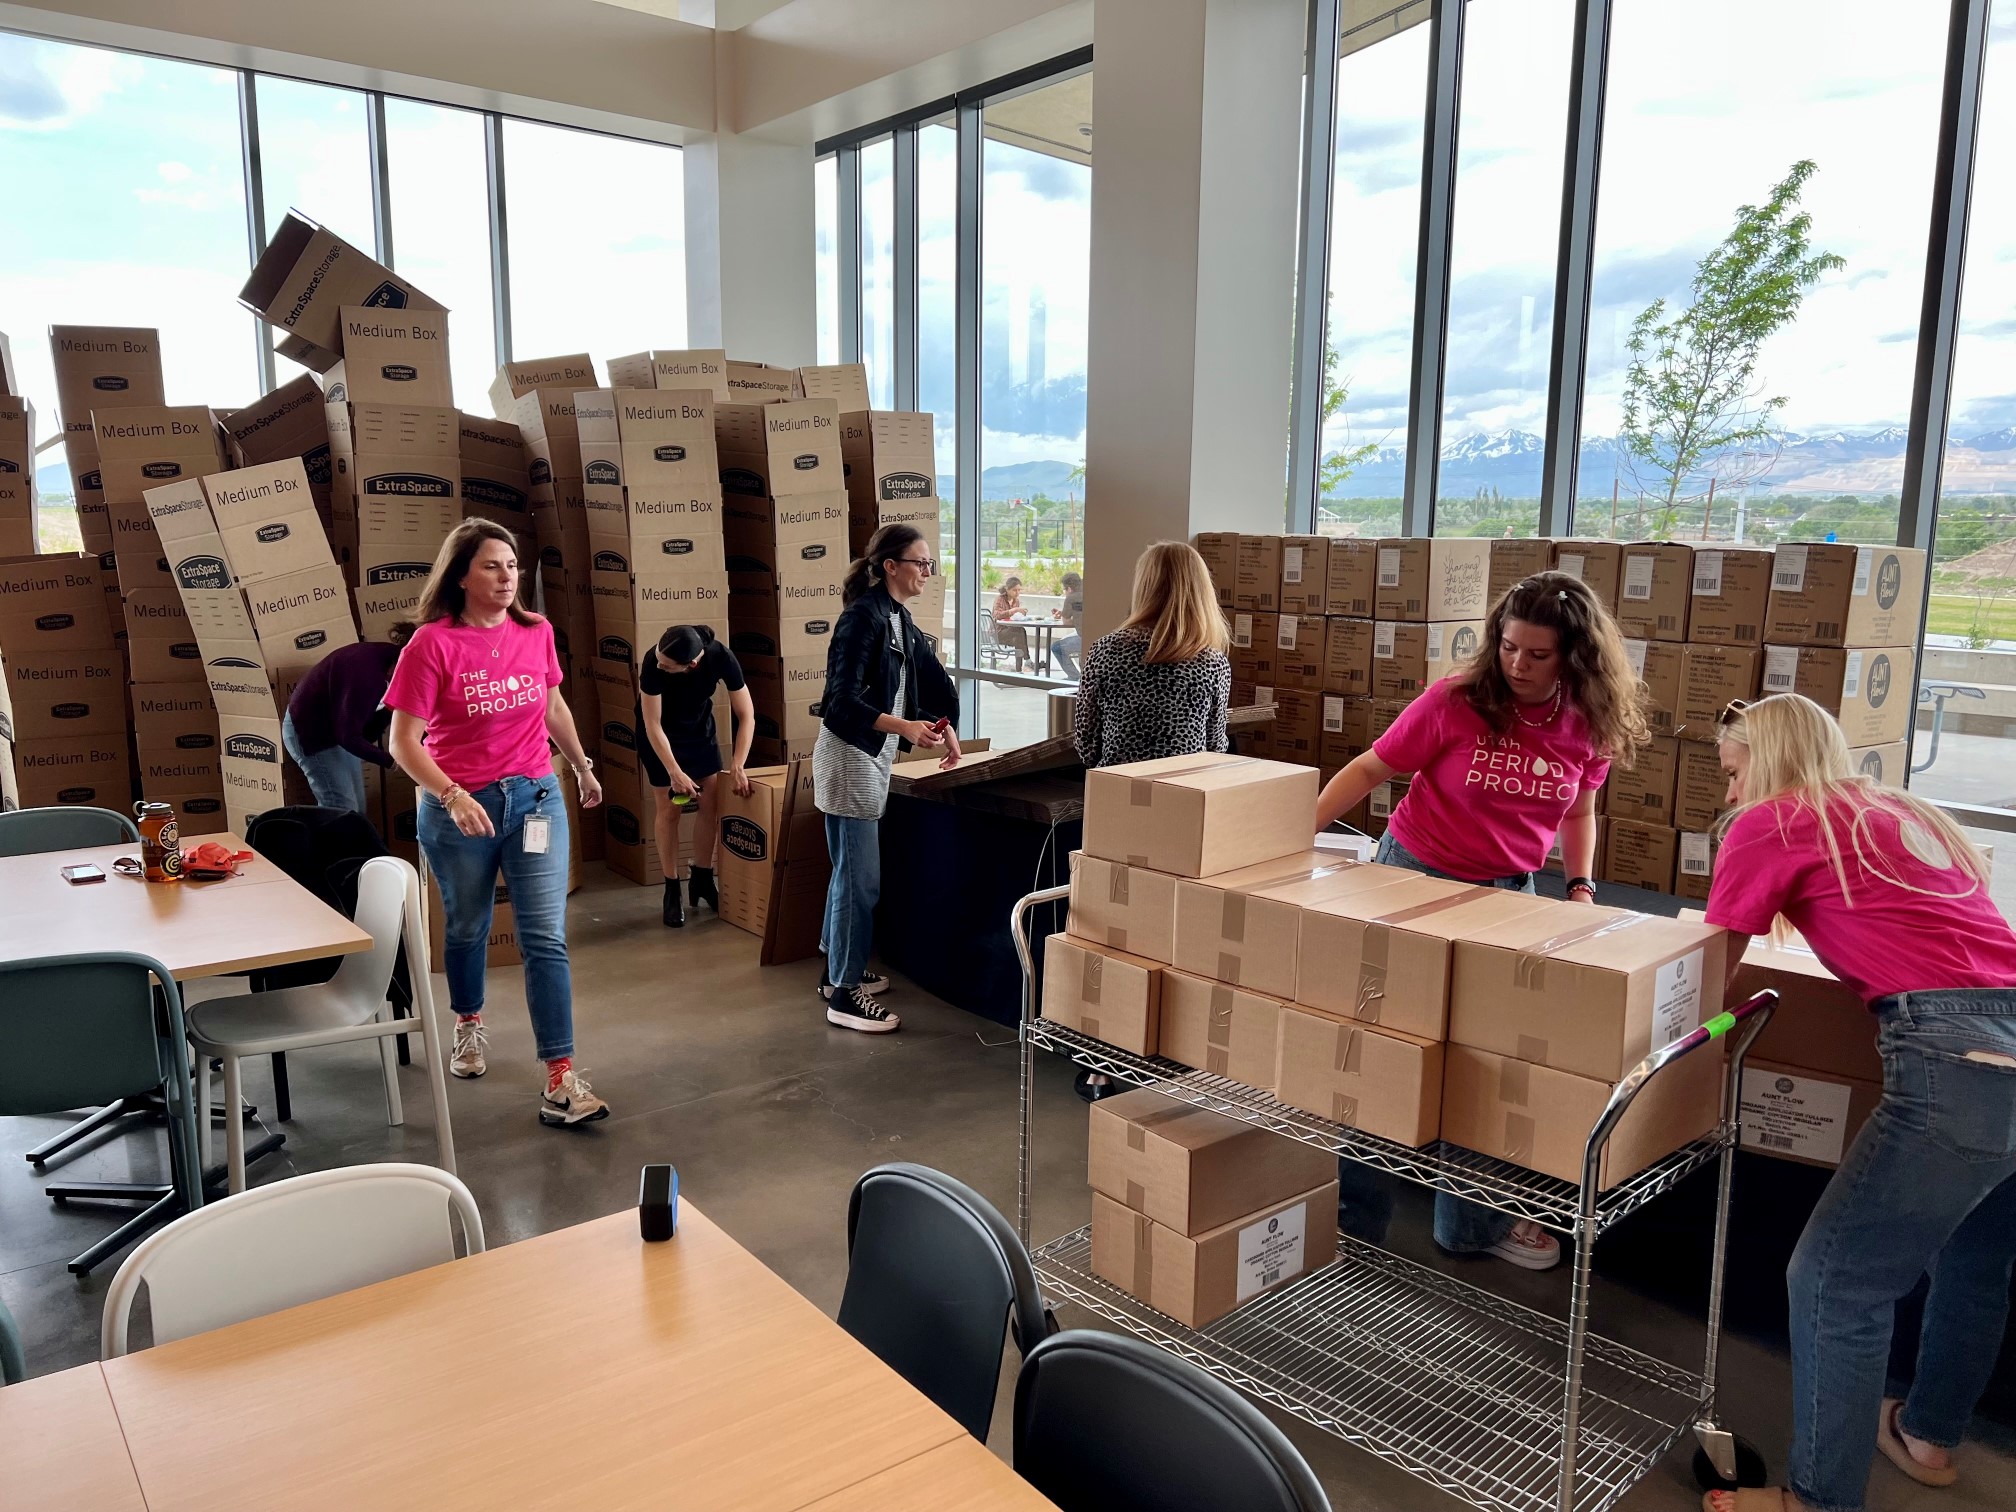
(866, 571)
(685, 644)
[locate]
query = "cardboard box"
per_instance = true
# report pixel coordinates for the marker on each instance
(1870, 692)
(140, 446)
(1190, 1169)
(1645, 791)
(496, 483)
(1636, 854)
(518, 378)
(1657, 589)
(196, 814)
(1659, 667)
(1354, 577)
(95, 770)
(289, 422)
(253, 763)
(302, 617)
(1220, 550)
(1197, 1280)
(1257, 585)
(305, 277)
(1107, 994)
(698, 368)
(1850, 596)
(1700, 786)
(1598, 564)
(1298, 726)
(1199, 815)
(1220, 1029)
(1731, 593)
(1884, 763)
(1347, 656)
(1408, 658)
(381, 609)
(1229, 927)
(102, 367)
(52, 694)
(1380, 803)
(1422, 579)
(502, 948)
(798, 439)
(1345, 734)
(1385, 1083)
(895, 479)
(176, 736)
(1541, 1118)
(1583, 989)
(1299, 651)
(1694, 868)
(1123, 907)
(1513, 561)
(151, 659)
(1710, 678)
(397, 356)
(1805, 1116)
(266, 518)
(53, 603)
(1254, 652)
(1820, 1024)
(1305, 575)
(1383, 953)
(754, 845)
(397, 469)
(760, 382)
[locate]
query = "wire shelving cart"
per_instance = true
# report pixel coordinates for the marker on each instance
(1507, 1408)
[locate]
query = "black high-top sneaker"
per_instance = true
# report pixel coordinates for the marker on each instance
(700, 888)
(675, 905)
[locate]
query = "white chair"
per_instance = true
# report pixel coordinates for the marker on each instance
(290, 1242)
(349, 1006)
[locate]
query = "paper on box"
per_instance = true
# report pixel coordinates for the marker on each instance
(1192, 1170)
(1423, 579)
(1801, 1115)
(1104, 993)
(1656, 590)
(1599, 565)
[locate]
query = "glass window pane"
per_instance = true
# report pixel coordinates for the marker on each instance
(604, 284)
(937, 303)
(1808, 445)
(1970, 639)
(1502, 249)
(878, 271)
(1035, 262)
(826, 234)
(1375, 229)
(441, 230)
(124, 205)
(315, 157)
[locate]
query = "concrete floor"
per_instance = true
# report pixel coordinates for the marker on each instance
(731, 1073)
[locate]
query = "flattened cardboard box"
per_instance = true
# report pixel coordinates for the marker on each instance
(1422, 579)
(53, 603)
(1540, 1118)
(52, 694)
(88, 769)
(1591, 991)
(304, 278)
(1514, 560)
(1220, 1029)
(1189, 1169)
(1198, 815)
(1409, 658)
(1198, 1280)
(1385, 1083)
(1870, 692)
(1731, 593)
(1107, 994)
(1657, 587)
(1125, 907)
(1598, 564)
(1823, 594)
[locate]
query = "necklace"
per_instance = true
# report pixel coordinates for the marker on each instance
(1541, 724)
(495, 645)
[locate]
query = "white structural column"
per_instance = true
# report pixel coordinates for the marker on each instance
(1194, 193)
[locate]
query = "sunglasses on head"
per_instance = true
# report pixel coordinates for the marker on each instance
(1731, 710)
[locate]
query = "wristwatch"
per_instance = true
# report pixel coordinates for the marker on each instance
(1582, 884)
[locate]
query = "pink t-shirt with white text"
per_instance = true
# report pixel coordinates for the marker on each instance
(1483, 805)
(482, 694)
(1893, 939)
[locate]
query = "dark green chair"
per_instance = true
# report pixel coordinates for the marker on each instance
(12, 1366)
(95, 1029)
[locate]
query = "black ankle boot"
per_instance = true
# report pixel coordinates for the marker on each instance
(675, 906)
(700, 887)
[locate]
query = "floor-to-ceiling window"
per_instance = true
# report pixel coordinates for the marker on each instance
(441, 230)
(878, 270)
(937, 320)
(826, 254)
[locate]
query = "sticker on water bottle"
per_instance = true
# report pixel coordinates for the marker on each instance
(537, 834)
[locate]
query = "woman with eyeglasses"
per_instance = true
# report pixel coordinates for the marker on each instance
(1889, 894)
(885, 690)
(1505, 755)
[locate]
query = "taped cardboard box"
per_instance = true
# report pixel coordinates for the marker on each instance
(1347, 656)
(1233, 927)
(1694, 867)
(1870, 692)
(92, 769)
(1824, 594)
(53, 603)
(1196, 816)
(1638, 854)
(1645, 789)
(1660, 667)
(1220, 1029)
(1107, 994)
(1820, 1024)
(1220, 550)
(51, 694)
(1299, 651)
(1422, 579)
(1256, 584)
(306, 276)
(1541, 1118)
(1380, 1081)
(1345, 733)
(1804, 1116)
(1731, 596)
(1305, 575)
(1656, 591)
(1587, 990)
(1189, 1169)
(1710, 678)
(1127, 908)
(1514, 559)
(1382, 951)
(1597, 564)
(753, 845)
(1409, 658)
(1197, 1280)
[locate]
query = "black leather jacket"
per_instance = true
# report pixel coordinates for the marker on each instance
(863, 663)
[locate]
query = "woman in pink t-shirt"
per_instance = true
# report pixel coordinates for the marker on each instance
(1505, 755)
(1894, 901)
(475, 699)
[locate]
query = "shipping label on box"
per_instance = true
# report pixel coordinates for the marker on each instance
(1106, 994)
(1409, 658)
(53, 603)
(1299, 651)
(1731, 592)
(1345, 733)
(1711, 678)
(1695, 869)
(1256, 584)
(55, 693)
(1347, 656)
(1219, 1028)
(1514, 560)
(1657, 588)
(1189, 1169)
(93, 769)
(1305, 575)
(1803, 1115)
(1383, 1082)
(1125, 907)
(1870, 693)
(1421, 579)
(1220, 550)
(1198, 1280)
(1824, 594)
(1198, 815)
(397, 356)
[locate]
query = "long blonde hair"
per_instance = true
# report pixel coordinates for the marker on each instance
(1174, 602)
(1798, 752)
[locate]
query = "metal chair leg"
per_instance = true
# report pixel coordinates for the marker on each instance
(283, 1104)
(110, 1113)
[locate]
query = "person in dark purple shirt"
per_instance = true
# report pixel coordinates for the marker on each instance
(324, 728)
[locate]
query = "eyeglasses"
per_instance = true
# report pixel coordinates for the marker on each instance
(1731, 710)
(926, 563)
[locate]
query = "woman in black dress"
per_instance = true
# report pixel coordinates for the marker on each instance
(681, 754)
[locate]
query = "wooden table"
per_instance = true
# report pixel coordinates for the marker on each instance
(195, 929)
(583, 1368)
(61, 1449)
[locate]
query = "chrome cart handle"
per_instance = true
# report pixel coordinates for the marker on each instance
(1018, 928)
(1756, 1013)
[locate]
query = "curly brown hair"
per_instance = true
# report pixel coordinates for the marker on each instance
(1595, 671)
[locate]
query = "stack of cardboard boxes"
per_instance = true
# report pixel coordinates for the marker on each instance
(64, 729)
(17, 463)
(1202, 930)
(98, 369)
(1340, 634)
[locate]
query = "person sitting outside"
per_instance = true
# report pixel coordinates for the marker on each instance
(1007, 608)
(1071, 612)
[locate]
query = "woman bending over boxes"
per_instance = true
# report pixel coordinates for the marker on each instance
(1505, 755)
(1894, 901)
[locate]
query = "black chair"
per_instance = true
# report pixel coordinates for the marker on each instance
(1107, 1423)
(933, 1273)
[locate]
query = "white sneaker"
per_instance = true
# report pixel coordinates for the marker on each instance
(1529, 1247)
(572, 1101)
(471, 1039)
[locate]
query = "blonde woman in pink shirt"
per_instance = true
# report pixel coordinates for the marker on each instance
(1505, 755)
(1892, 898)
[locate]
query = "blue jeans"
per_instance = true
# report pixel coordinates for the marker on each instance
(466, 867)
(1930, 1184)
(335, 777)
(848, 933)
(1462, 1227)
(1063, 649)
